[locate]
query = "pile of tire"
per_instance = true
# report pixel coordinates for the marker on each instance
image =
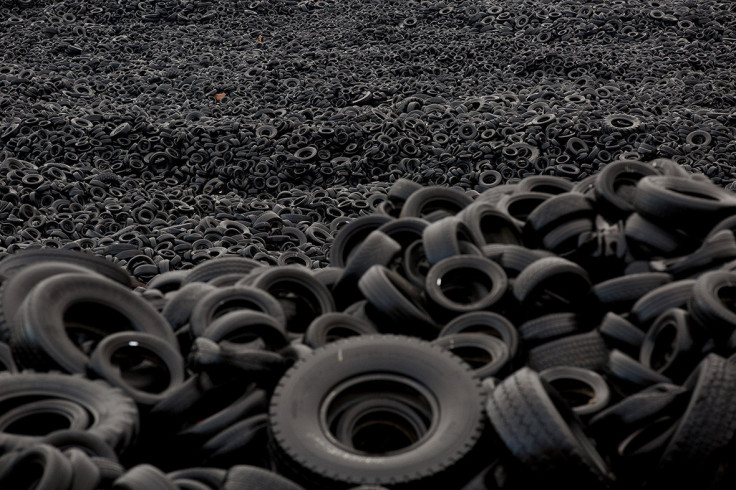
(541, 332)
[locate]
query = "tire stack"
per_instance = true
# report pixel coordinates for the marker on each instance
(535, 333)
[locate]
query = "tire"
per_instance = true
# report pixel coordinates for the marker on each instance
(114, 416)
(489, 225)
(427, 200)
(179, 306)
(52, 311)
(548, 184)
(399, 301)
(554, 212)
(404, 231)
(465, 283)
(551, 284)
(40, 466)
(218, 302)
(432, 394)
(620, 293)
(711, 303)
(519, 205)
(616, 187)
(672, 346)
(647, 239)
(87, 442)
(544, 435)
(619, 333)
(211, 269)
(351, 235)
(547, 328)
(143, 476)
(487, 323)
(585, 350)
(85, 474)
(629, 376)
(443, 239)
(241, 443)
(487, 355)
(7, 363)
(211, 477)
(687, 204)
(302, 297)
(334, 326)
(245, 326)
(14, 289)
(672, 295)
(244, 477)
(585, 391)
(700, 439)
(377, 249)
(142, 353)
(19, 260)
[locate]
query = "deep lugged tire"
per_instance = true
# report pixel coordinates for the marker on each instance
(318, 402)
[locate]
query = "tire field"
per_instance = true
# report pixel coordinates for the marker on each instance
(365, 245)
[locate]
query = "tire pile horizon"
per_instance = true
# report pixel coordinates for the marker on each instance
(367, 245)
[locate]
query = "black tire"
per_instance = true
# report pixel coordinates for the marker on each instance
(377, 249)
(672, 346)
(144, 366)
(544, 435)
(683, 203)
(465, 283)
(629, 376)
(241, 443)
(551, 284)
(213, 268)
(40, 466)
(616, 187)
(398, 300)
(712, 303)
(700, 440)
(672, 295)
(549, 327)
(489, 225)
(25, 257)
(334, 326)
(244, 477)
(519, 205)
(211, 477)
(487, 323)
(114, 416)
(586, 350)
(647, 239)
(569, 238)
(85, 473)
(302, 297)
(7, 363)
(552, 213)
(404, 231)
(548, 184)
(429, 199)
(434, 395)
(87, 442)
(179, 306)
(585, 391)
(71, 304)
(620, 293)
(245, 326)
(621, 334)
(443, 239)
(401, 189)
(487, 355)
(351, 235)
(143, 476)
(168, 281)
(221, 301)
(14, 289)
(493, 195)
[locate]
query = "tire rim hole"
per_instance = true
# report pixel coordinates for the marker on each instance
(465, 285)
(379, 415)
(38, 424)
(664, 347)
(142, 369)
(84, 328)
(575, 392)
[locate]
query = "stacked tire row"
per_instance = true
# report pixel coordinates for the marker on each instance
(542, 332)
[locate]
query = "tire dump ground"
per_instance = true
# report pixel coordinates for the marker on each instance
(375, 244)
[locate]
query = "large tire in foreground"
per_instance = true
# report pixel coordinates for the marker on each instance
(376, 409)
